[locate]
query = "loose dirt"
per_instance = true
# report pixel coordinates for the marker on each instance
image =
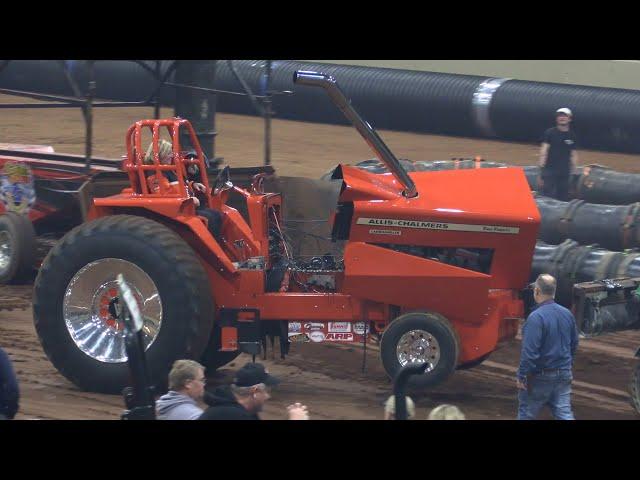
(327, 378)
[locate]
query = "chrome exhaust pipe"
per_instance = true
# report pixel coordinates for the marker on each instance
(315, 79)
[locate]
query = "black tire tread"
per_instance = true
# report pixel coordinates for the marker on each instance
(186, 264)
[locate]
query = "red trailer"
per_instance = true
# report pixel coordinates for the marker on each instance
(40, 200)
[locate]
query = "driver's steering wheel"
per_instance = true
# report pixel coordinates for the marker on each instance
(223, 181)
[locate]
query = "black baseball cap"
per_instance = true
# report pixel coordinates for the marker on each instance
(253, 374)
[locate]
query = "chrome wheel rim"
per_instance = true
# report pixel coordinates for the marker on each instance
(90, 307)
(418, 346)
(5, 251)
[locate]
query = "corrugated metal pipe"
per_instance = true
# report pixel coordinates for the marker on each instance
(605, 119)
(571, 263)
(405, 100)
(616, 227)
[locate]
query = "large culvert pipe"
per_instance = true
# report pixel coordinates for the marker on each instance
(598, 184)
(571, 263)
(616, 227)
(605, 118)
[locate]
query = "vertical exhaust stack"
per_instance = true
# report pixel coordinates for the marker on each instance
(374, 141)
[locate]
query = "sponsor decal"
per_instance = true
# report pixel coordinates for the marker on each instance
(359, 328)
(339, 337)
(299, 337)
(316, 336)
(314, 326)
(295, 327)
(375, 231)
(424, 225)
(339, 327)
(17, 191)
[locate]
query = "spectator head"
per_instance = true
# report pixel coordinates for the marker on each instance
(165, 153)
(446, 412)
(251, 386)
(187, 377)
(544, 288)
(390, 408)
(563, 116)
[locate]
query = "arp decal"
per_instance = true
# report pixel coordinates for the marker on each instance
(339, 337)
(17, 191)
(421, 224)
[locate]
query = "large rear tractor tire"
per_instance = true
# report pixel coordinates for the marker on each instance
(17, 248)
(418, 337)
(75, 300)
(635, 387)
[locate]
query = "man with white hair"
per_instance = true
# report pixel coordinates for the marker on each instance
(186, 390)
(558, 156)
(549, 344)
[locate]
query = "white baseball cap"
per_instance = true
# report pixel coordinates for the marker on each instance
(564, 110)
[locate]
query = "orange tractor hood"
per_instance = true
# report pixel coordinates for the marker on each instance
(480, 208)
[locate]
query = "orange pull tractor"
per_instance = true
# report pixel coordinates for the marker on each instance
(432, 265)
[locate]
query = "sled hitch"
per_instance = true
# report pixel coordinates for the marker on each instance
(608, 305)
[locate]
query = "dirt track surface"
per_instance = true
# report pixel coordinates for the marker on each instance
(327, 378)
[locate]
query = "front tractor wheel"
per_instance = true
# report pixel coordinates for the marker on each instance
(419, 337)
(76, 298)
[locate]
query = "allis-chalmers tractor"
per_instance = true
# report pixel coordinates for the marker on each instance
(433, 266)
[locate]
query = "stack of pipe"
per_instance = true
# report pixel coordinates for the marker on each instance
(616, 227)
(572, 263)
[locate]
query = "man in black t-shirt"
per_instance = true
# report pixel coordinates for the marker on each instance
(558, 157)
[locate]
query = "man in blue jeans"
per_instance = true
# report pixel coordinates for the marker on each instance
(549, 343)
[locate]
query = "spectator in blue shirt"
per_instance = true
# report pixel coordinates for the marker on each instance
(9, 393)
(549, 343)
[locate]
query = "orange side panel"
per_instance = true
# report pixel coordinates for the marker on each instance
(502, 320)
(386, 276)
